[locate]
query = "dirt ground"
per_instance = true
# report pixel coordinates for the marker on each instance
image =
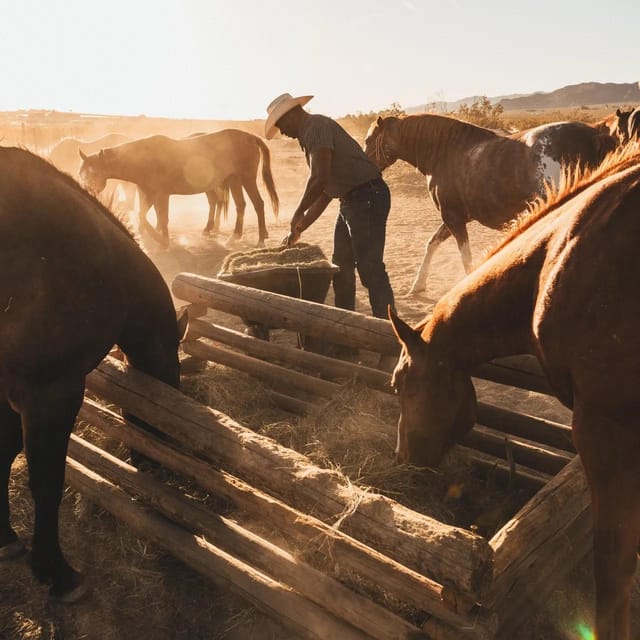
(140, 592)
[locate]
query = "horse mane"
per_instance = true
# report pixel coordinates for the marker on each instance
(49, 168)
(573, 180)
(439, 130)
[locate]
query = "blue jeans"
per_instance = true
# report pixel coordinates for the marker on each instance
(358, 242)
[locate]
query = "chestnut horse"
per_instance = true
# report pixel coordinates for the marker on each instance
(476, 174)
(564, 288)
(211, 163)
(64, 155)
(73, 282)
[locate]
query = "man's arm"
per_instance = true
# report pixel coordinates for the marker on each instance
(320, 163)
(306, 220)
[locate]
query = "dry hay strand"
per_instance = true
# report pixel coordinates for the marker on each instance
(301, 255)
(354, 433)
(233, 392)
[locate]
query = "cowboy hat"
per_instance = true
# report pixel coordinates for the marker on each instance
(278, 108)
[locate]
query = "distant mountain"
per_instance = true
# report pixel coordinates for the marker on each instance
(574, 95)
(577, 95)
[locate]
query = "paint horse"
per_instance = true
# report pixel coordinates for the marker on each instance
(475, 174)
(73, 282)
(212, 163)
(564, 288)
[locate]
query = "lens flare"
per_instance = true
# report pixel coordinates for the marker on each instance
(585, 632)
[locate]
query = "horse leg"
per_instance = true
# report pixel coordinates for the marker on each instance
(609, 452)
(420, 281)
(458, 226)
(145, 205)
(235, 186)
(161, 205)
(48, 415)
(213, 220)
(251, 187)
(10, 447)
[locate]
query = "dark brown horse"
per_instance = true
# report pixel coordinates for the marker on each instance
(564, 287)
(475, 174)
(626, 125)
(73, 282)
(212, 163)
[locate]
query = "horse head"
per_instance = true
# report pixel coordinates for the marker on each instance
(618, 126)
(437, 401)
(382, 142)
(93, 171)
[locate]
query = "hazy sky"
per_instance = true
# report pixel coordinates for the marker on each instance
(229, 58)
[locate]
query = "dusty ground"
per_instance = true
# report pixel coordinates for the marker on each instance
(140, 592)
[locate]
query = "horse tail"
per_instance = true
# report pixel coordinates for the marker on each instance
(267, 177)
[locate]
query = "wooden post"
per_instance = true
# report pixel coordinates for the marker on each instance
(330, 323)
(440, 551)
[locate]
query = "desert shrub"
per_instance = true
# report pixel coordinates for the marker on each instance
(481, 112)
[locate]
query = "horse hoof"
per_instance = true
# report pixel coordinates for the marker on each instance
(69, 597)
(12, 550)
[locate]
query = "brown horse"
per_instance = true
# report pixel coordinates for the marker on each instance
(73, 282)
(64, 155)
(475, 174)
(564, 288)
(211, 163)
(626, 125)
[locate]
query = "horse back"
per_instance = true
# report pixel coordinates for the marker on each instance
(588, 311)
(65, 272)
(160, 164)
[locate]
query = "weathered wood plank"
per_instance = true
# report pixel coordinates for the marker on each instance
(329, 368)
(335, 325)
(424, 544)
(286, 605)
(545, 540)
(338, 600)
(349, 556)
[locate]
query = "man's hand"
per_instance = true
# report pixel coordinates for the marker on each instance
(296, 227)
(292, 237)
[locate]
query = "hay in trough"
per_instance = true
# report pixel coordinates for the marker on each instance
(302, 255)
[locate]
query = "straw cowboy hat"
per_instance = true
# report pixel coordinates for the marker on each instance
(278, 108)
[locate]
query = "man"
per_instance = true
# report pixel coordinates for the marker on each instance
(340, 169)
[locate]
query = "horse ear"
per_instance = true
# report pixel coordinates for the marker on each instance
(380, 121)
(407, 336)
(183, 324)
(618, 112)
(83, 155)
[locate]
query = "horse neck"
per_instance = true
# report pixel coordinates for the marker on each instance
(431, 145)
(120, 164)
(151, 330)
(489, 314)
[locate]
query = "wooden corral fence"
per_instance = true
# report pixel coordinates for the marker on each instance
(490, 583)
(457, 583)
